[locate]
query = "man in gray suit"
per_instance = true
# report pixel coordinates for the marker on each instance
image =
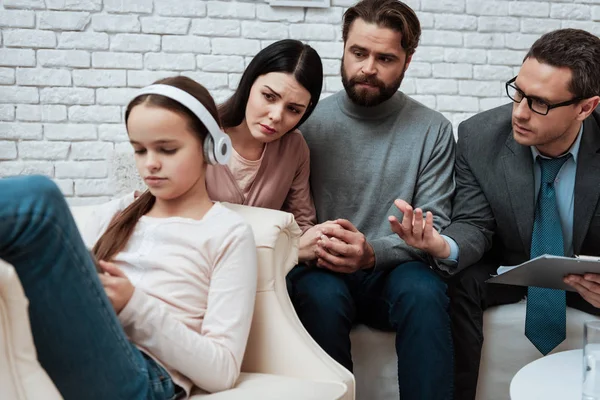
(527, 183)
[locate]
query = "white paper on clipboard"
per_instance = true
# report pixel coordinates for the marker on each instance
(547, 271)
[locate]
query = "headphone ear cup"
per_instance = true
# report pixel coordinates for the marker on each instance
(209, 150)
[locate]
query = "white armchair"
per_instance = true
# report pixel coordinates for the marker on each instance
(281, 361)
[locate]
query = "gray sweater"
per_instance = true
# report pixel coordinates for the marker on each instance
(362, 159)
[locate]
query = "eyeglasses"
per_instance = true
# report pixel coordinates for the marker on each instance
(536, 105)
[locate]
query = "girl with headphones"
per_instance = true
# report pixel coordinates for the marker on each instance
(173, 303)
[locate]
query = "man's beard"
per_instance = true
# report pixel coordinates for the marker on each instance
(365, 97)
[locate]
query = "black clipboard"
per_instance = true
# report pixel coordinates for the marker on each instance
(548, 271)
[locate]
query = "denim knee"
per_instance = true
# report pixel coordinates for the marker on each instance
(34, 190)
(320, 292)
(42, 187)
(415, 285)
(35, 196)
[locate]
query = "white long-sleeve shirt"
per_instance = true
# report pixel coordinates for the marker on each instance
(195, 284)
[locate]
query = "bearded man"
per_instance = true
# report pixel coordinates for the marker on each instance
(371, 144)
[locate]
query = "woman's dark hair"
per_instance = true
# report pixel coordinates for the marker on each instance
(121, 227)
(287, 56)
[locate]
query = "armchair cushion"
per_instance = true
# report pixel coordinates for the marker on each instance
(274, 387)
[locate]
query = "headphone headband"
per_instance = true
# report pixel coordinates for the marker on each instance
(222, 143)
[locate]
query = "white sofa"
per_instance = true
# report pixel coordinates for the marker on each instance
(281, 360)
(505, 351)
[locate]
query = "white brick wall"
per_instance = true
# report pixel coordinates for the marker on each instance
(69, 67)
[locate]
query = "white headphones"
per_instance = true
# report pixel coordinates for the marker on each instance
(217, 145)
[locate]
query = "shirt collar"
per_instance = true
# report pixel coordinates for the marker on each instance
(574, 150)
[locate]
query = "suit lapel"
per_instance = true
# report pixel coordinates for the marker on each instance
(587, 182)
(518, 172)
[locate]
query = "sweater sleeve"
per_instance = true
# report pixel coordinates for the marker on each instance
(299, 199)
(433, 192)
(212, 357)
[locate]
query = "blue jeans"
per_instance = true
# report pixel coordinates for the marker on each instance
(78, 337)
(410, 300)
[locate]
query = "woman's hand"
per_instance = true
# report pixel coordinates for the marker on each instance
(308, 242)
(117, 286)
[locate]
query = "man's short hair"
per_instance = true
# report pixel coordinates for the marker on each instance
(390, 14)
(575, 49)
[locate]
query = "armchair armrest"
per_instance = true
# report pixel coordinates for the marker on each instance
(278, 343)
(21, 376)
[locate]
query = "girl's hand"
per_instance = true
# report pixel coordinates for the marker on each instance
(117, 286)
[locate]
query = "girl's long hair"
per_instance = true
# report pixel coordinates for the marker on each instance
(122, 225)
(288, 56)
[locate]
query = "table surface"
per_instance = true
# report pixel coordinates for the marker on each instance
(557, 376)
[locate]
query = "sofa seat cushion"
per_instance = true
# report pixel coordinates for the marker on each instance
(375, 363)
(275, 387)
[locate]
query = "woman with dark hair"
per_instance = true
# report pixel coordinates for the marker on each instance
(270, 163)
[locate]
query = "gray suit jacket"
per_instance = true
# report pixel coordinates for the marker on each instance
(494, 204)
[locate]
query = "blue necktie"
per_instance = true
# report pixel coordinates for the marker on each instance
(545, 321)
